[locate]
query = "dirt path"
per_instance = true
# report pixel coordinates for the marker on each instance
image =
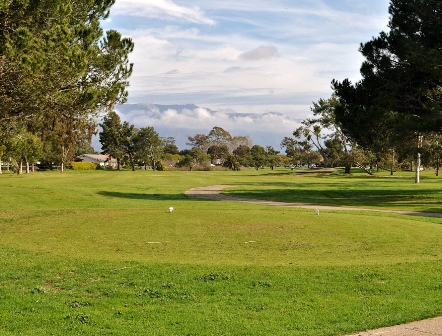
(214, 193)
(430, 327)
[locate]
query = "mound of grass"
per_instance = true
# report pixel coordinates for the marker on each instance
(98, 253)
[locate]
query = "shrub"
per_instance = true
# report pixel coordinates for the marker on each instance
(160, 166)
(84, 166)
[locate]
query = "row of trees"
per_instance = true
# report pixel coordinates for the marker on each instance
(322, 138)
(124, 141)
(58, 71)
(233, 151)
(393, 115)
(144, 147)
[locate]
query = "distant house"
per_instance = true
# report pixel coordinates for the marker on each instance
(217, 162)
(101, 159)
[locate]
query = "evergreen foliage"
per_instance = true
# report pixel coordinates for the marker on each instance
(59, 70)
(400, 94)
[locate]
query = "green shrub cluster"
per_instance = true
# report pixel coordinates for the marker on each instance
(84, 166)
(160, 166)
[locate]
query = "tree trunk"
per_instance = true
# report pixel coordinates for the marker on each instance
(418, 159)
(27, 167)
(368, 171)
(132, 163)
(63, 158)
(1, 166)
(152, 158)
(392, 164)
(20, 167)
(418, 168)
(437, 167)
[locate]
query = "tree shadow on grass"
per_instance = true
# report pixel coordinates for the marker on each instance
(313, 172)
(403, 199)
(143, 196)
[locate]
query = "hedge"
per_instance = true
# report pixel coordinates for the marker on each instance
(85, 166)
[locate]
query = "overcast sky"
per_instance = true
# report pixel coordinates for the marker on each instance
(244, 56)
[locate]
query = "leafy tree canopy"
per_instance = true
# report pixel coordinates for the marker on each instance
(58, 69)
(400, 93)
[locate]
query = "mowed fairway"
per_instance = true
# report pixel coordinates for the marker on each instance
(99, 253)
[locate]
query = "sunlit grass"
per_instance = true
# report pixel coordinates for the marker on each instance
(234, 234)
(98, 253)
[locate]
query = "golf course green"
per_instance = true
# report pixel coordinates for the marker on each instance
(100, 253)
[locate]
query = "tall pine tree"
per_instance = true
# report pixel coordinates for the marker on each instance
(400, 94)
(58, 69)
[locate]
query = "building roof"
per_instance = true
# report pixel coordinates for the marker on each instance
(98, 157)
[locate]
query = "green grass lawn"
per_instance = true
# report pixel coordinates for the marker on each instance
(98, 253)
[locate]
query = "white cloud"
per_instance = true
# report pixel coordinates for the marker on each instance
(263, 128)
(163, 9)
(360, 14)
(262, 52)
(239, 56)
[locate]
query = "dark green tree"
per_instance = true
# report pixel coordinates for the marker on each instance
(58, 69)
(243, 155)
(218, 153)
(170, 152)
(290, 147)
(129, 143)
(297, 150)
(111, 137)
(218, 136)
(258, 156)
(192, 158)
(231, 162)
(273, 157)
(400, 93)
(169, 145)
(148, 146)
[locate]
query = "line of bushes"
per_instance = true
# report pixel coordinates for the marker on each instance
(85, 166)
